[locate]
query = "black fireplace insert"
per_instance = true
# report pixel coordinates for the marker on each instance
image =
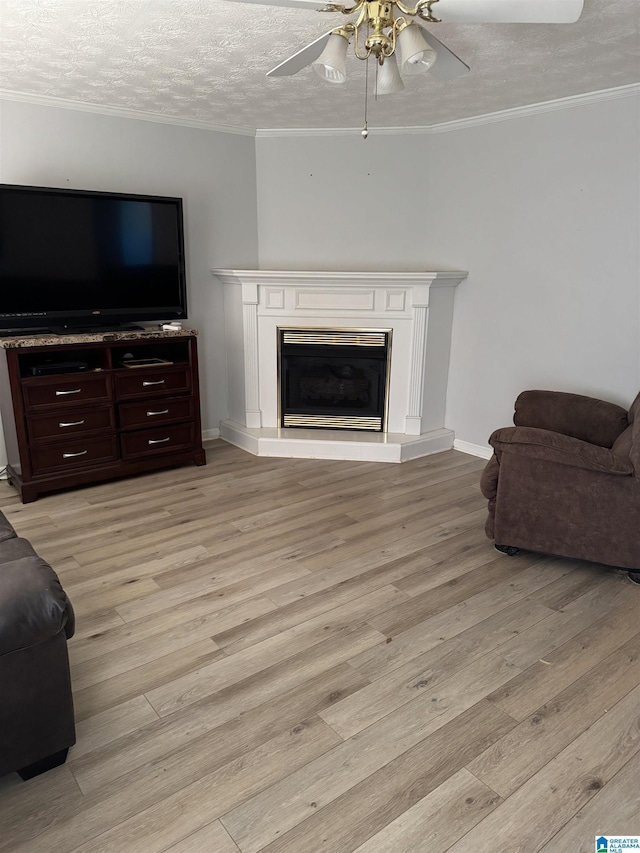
(334, 378)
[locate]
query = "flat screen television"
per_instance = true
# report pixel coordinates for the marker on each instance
(74, 259)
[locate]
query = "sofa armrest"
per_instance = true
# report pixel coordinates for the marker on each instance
(6, 529)
(70, 624)
(33, 605)
(563, 449)
(585, 418)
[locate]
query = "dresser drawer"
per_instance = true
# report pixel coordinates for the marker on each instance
(149, 442)
(154, 412)
(65, 390)
(70, 422)
(75, 453)
(138, 382)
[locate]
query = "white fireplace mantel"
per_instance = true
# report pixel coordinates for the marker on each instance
(416, 306)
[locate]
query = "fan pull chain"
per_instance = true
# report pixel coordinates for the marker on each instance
(365, 129)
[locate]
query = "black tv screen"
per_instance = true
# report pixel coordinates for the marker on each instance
(75, 259)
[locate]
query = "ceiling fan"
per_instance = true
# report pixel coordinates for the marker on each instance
(382, 29)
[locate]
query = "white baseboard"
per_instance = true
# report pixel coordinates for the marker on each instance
(210, 434)
(484, 452)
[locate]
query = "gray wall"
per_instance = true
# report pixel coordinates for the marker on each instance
(544, 212)
(330, 203)
(213, 172)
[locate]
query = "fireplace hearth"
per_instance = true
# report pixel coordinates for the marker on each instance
(333, 378)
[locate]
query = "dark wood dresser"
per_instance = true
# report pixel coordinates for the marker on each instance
(81, 409)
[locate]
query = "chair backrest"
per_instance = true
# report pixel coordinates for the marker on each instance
(586, 418)
(634, 419)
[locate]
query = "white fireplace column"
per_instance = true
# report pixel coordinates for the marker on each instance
(253, 416)
(416, 306)
(416, 397)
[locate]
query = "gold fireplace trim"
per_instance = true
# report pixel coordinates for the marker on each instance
(336, 337)
(339, 337)
(333, 422)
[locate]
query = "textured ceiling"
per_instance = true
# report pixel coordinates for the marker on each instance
(205, 60)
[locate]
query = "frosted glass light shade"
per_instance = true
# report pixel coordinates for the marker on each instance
(389, 79)
(416, 54)
(330, 65)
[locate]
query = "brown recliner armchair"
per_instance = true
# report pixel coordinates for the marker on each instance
(565, 480)
(36, 618)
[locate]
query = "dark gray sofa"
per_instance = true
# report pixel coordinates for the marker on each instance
(36, 619)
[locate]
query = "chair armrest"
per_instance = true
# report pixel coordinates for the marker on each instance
(594, 421)
(489, 478)
(563, 449)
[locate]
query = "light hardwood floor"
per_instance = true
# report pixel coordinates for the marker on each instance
(296, 656)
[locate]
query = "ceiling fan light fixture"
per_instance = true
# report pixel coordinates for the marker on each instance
(389, 80)
(417, 56)
(330, 66)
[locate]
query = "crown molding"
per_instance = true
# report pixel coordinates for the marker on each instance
(473, 121)
(542, 107)
(265, 133)
(120, 112)
(268, 132)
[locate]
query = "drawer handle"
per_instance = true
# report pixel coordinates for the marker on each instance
(163, 412)
(71, 423)
(63, 393)
(69, 455)
(158, 440)
(156, 382)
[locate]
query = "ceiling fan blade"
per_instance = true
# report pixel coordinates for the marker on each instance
(447, 64)
(475, 11)
(316, 5)
(508, 11)
(301, 59)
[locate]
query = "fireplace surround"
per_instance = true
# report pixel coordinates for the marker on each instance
(415, 307)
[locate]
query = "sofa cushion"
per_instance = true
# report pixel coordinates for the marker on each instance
(6, 529)
(33, 605)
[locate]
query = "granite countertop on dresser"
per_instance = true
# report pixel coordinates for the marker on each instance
(48, 339)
